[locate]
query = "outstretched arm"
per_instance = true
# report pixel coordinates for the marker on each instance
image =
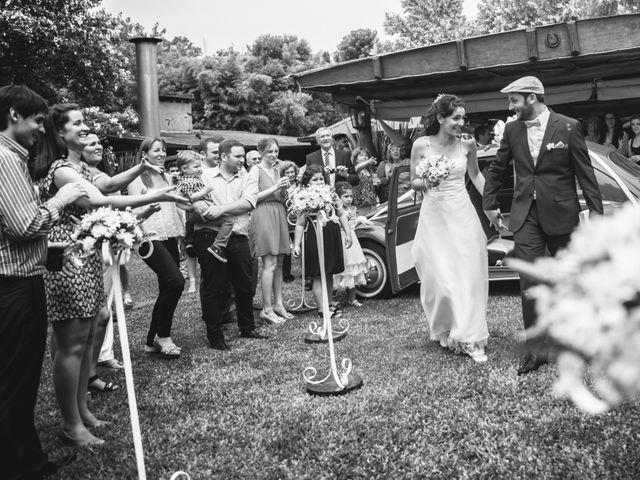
(107, 184)
(95, 198)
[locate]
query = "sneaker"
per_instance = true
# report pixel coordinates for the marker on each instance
(190, 250)
(218, 253)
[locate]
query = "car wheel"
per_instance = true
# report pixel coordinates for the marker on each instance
(378, 280)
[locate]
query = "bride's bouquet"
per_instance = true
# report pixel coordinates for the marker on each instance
(434, 169)
(312, 199)
(589, 309)
(118, 229)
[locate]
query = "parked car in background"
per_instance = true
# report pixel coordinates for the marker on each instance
(387, 241)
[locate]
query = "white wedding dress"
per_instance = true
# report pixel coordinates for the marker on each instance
(450, 255)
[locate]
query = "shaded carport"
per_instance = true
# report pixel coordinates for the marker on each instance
(585, 65)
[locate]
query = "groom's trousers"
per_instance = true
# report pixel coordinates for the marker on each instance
(531, 243)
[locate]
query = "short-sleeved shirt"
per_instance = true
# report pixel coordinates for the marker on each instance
(228, 189)
(190, 185)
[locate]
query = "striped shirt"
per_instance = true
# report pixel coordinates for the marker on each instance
(24, 220)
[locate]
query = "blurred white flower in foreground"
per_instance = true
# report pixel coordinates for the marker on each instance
(589, 309)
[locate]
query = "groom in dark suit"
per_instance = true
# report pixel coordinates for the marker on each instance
(549, 153)
(336, 164)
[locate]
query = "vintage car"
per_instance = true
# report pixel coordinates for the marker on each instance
(387, 241)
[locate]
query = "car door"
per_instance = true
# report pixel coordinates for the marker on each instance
(402, 222)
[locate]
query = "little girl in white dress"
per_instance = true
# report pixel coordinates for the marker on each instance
(355, 263)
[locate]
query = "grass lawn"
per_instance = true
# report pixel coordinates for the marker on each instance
(422, 412)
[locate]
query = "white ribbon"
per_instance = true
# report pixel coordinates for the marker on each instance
(114, 261)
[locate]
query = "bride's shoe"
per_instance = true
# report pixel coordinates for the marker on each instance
(475, 352)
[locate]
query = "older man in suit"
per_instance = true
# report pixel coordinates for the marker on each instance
(549, 153)
(336, 164)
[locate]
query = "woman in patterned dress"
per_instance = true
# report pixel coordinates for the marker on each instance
(74, 298)
(269, 230)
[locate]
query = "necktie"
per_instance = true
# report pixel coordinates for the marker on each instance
(532, 123)
(327, 159)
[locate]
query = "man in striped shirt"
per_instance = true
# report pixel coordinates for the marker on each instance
(24, 224)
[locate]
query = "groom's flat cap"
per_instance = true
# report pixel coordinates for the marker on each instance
(525, 85)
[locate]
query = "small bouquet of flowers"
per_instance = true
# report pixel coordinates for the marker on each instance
(434, 169)
(105, 227)
(589, 310)
(313, 199)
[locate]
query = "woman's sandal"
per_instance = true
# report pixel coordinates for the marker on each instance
(107, 387)
(170, 352)
(272, 318)
(283, 313)
(356, 303)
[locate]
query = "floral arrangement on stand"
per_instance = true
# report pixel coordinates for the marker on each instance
(434, 169)
(105, 228)
(589, 310)
(313, 199)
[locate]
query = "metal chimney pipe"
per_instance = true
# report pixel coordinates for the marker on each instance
(147, 80)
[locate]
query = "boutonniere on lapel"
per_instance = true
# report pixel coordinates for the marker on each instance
(553, 146)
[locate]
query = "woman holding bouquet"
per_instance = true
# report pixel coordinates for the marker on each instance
(74, 298)
(449, 249)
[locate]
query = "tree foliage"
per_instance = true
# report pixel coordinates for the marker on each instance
(503, 15)
(359, 43)
(424, 22)
(64, 49)
(249, 91)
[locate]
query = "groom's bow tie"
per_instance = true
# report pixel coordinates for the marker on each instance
(532, 123)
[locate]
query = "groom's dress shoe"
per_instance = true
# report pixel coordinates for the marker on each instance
(531, 362)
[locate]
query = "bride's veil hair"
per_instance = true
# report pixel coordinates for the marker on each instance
(443, 105)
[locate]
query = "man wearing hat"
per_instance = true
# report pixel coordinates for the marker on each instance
(548, 153)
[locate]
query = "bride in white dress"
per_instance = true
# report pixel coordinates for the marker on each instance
(449, 249)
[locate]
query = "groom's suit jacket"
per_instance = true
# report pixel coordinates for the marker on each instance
(562, 159)
(343, 159)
